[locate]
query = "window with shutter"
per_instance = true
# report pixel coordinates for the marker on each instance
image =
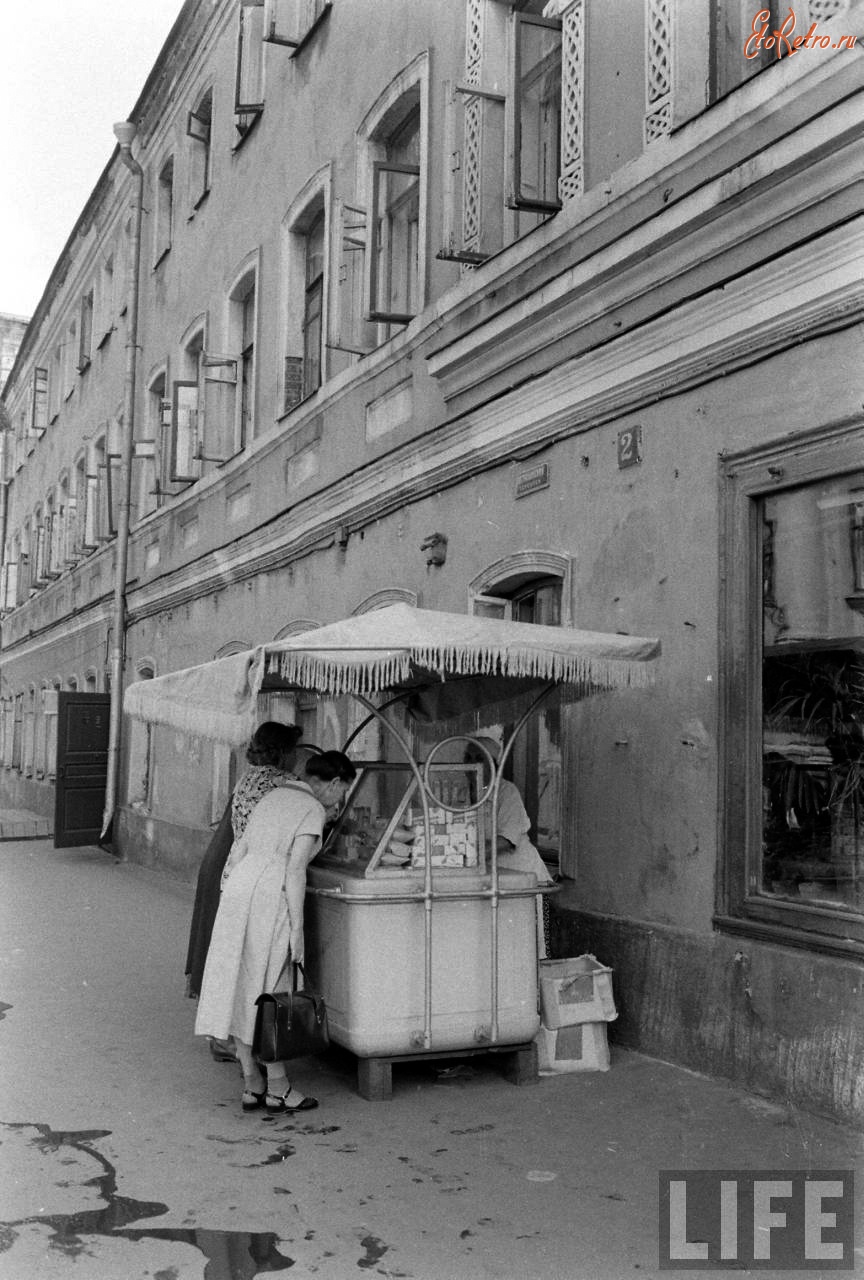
(346, 328)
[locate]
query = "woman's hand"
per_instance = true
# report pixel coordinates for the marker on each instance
(296, 944)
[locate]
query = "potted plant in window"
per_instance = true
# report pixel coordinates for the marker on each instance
(815, 776)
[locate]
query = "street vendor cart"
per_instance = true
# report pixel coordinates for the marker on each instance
(419, 942)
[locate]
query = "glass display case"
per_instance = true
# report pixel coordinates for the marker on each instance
(380, 830)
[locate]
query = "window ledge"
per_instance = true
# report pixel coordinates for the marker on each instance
(302, 403)
(786, 935)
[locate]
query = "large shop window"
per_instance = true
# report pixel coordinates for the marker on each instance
(794, 671)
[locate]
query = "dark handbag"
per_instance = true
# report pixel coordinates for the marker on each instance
(290, 1024)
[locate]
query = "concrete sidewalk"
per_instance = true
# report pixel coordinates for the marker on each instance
(126, 1154)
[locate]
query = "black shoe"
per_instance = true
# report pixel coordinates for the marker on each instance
(275, 1104)
(252, 1101)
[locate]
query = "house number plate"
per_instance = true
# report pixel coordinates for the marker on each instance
(629, 447)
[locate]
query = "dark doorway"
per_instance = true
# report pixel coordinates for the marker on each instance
(82, 767)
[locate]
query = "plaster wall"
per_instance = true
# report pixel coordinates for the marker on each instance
(775, 1020)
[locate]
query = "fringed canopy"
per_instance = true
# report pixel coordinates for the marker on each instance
(217, 700)
(453, 665)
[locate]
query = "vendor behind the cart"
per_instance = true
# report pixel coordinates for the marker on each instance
(515, 850)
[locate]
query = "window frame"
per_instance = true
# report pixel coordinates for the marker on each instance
(246, 114)
(313, 306)
(39, 402)
(376, 253)
(163, 230)
(199, 130)
(514, 126)
(725, 52)
(85, 331)
(495, 592)
(354, 226)
(178, 388)
(242, 325)
(745, 479)
(298, 41)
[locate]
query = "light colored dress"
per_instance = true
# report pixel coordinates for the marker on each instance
(514, 825)
(250, 941)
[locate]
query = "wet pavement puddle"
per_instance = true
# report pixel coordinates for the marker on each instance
(38, 1152)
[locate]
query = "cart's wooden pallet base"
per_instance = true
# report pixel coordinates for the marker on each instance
(375, 1075)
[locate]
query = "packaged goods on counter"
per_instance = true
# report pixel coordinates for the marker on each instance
(382, 829)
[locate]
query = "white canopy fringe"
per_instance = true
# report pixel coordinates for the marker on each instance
(398, 647)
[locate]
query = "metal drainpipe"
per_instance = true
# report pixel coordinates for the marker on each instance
(125, 134)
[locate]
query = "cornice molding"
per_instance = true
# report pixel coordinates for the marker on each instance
(771, 308)
(713, 234)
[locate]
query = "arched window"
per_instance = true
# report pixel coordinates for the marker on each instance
(388, 595)
(30, 731)
(394, 137)
(381, 229)
(141, 750)
(187, 409)
(300, 708)
(305, 274)
(242, 325)
(296, 628)
(532, 586)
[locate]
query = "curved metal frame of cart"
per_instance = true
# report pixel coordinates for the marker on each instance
(493, 893)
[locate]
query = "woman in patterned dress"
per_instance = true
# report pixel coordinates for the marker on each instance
(271, 758)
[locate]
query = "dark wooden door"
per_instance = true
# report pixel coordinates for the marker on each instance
(82, 767)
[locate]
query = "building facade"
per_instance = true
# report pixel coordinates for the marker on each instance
(541, 310)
